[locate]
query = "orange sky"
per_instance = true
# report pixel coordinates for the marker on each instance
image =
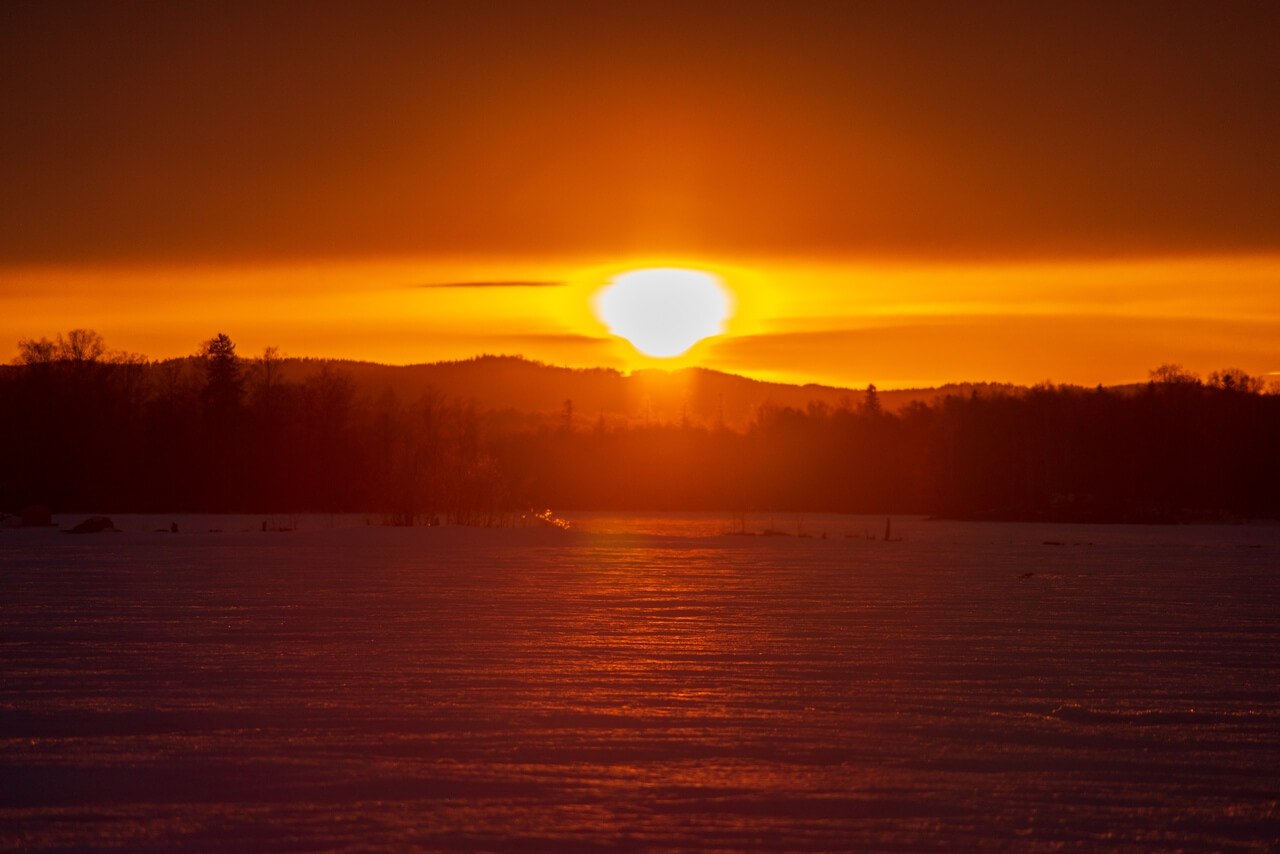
(898, 193)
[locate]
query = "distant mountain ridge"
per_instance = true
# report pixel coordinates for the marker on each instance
(698, 395)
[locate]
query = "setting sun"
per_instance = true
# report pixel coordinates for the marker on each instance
(663, 311)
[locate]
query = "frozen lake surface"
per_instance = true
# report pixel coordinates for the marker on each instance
(640, 683)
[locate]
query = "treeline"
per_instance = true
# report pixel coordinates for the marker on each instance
(83, 429)
(1165, 452)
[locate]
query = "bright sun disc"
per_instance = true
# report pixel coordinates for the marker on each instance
(663, 311)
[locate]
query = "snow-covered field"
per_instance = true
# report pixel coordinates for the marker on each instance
(639, 684)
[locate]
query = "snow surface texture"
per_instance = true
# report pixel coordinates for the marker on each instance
(640, 684)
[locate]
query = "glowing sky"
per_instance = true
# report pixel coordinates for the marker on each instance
(899, 193)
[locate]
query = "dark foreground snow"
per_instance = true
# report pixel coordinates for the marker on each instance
(643, 684)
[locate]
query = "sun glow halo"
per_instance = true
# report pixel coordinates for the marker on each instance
(663, 311)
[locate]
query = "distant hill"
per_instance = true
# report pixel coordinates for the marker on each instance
(512, 383)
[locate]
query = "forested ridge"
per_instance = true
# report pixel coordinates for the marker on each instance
(83, 429)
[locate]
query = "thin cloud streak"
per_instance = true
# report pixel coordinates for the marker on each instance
(933, 351)
(431, 285)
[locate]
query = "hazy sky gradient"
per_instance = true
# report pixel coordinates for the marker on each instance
(531, 142)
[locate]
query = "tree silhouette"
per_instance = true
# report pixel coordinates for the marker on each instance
(223, 381)
(871, 402)
(78, 345)
(222, 464)
(1234, 379)
(1173, 373)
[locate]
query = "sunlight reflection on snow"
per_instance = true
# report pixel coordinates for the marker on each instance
(662, 687)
